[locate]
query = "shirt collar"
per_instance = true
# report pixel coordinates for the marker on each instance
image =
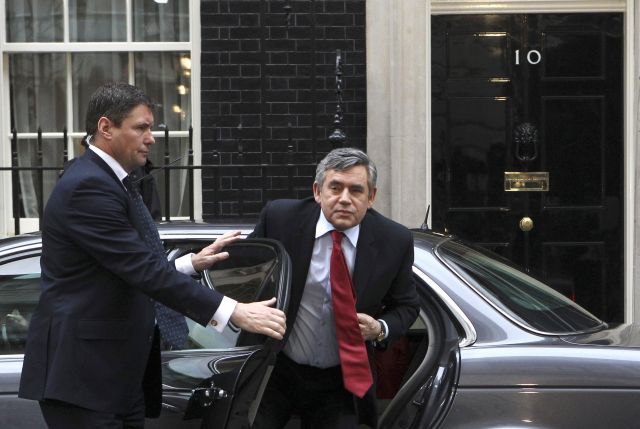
(111, 162)
(324, 226)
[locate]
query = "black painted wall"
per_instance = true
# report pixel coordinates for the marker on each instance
(268, 96)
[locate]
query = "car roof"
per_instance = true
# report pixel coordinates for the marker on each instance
(426, 239)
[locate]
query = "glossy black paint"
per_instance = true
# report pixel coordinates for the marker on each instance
(534, 93)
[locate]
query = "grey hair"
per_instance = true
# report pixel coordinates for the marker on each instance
(343, 159)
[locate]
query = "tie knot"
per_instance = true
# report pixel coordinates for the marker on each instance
(337, 237)
(128, 183)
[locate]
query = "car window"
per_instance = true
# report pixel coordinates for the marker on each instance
(19, 293)
(525, 299)
(249, 274)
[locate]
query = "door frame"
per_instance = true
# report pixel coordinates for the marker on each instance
(399, 103)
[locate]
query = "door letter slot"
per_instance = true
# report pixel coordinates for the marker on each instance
(529, 181)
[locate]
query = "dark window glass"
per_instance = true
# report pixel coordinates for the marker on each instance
(34, 20)
(157, 21)
(527, 300)
(19, 294)
(251, 273)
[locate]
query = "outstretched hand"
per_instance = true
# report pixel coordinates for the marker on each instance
(212, 253)
(261, 318)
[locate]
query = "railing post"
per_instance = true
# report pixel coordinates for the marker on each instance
(167, 176)
(216, 182)
(15, 182)
(216, 178)
(40, 191)
(65, 149)
(190, 175)
(290, 160)
(240, 173)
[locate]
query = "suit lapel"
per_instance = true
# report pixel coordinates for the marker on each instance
(301, 247)
(366, 256)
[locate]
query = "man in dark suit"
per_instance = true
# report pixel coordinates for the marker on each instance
(92, 355)
(310, 376)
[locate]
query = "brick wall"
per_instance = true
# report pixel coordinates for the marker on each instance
(268, 96)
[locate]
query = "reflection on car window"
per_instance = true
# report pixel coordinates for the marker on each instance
(527, 300)
(247, 275)
(19, 294)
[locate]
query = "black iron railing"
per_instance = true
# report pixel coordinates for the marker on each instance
(233, 167)
(217, 170)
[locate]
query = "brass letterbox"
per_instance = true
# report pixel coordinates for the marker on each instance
(526, 181)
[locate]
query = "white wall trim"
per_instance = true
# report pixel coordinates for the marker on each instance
(196, 114)
(6, 212)
(631, 297)
(428, 163)
(441, 7)
(97, 47)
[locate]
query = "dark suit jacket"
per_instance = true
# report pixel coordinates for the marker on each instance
(91, 334)
(382, 274)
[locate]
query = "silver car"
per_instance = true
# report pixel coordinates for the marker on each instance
(492, 347)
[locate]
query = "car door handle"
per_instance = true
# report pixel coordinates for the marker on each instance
(206, 396)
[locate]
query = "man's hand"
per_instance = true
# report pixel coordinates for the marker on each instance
(369, 327)
(18, 319)
(260, 317)
(212, 253)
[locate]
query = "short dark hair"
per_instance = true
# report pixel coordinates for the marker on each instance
(114, 100)
(344, 158)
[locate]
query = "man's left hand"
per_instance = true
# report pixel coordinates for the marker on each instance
(212, 253)
(369, 327)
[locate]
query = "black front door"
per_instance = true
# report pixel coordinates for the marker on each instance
(536, 96)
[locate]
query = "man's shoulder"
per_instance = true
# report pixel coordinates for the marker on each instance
(85, 172)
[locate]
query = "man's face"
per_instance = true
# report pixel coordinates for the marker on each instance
(131, 141)
(345, 196)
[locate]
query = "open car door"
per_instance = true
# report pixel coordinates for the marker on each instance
(217, 382)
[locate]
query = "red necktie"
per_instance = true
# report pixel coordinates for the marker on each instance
(356, 372)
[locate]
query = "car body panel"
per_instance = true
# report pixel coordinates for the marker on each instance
(471, 365)
(258, 266)
(568, 408)
(553, 365)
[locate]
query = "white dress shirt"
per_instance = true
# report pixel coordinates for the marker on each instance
(313, 338)
(183, 264)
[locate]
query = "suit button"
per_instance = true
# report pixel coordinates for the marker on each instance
(151, 338)
(214, 323)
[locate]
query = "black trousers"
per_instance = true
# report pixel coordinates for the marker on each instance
(62, 415)
(317, 395)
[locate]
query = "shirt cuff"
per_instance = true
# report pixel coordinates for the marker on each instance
(184, 265)
(221, 317)
(386, 328)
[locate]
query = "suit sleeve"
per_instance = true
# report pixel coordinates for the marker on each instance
(97, 220)
(260, 230)
(401, 304)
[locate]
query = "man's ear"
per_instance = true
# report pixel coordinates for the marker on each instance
(316, 192)
(104, 127)
(372, 196)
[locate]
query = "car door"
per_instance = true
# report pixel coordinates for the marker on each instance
(212, 383)
(19, 293)
(221, 376)
(431, 377)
